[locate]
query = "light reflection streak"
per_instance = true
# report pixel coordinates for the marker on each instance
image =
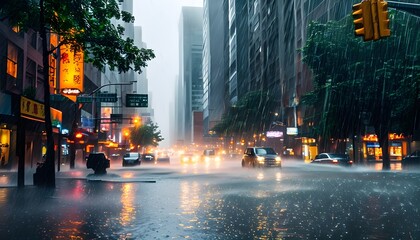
(128, 211)
(127, 175)
(4, 180)
(269, 224)
(190, 203)
(3, 195)
(394, 166)
(278, 176)
(260, 176)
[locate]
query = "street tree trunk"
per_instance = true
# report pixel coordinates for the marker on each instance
(49, 178)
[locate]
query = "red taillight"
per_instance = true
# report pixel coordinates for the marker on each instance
(335, 161)
(350, 162)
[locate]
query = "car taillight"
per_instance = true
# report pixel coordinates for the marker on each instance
(335, 161)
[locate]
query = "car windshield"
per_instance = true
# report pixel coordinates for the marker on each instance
(339, 156)
(264, 151)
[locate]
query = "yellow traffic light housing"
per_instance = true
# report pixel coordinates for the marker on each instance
(362, 14)
(383, 20)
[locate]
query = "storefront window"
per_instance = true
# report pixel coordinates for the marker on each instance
(4, 147)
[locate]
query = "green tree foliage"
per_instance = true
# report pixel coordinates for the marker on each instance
(85, 25)
(146, 135)
(251, 114)
(357, 83)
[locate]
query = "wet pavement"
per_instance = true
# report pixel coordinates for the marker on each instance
(217, 201)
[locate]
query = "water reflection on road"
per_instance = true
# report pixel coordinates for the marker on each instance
(225, 201)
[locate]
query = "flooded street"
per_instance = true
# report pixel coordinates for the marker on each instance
(217, 201)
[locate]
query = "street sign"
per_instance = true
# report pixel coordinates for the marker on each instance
(136, 100)
(116, 118)
(57, 98)
(106, 97)
(84, 99)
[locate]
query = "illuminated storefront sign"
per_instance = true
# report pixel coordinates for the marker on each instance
(292, 131)
(36, 111)
(71, 91)
(53, 62)
(274, 134)
(71, 71)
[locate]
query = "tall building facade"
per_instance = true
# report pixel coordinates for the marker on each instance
(215, 62)
(119, 83)
(190, 73)
(264, 41)
(238, 50)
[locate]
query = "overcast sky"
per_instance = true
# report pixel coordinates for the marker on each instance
(159, 21)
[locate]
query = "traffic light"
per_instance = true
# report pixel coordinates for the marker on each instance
(363, 23)
(383, 20)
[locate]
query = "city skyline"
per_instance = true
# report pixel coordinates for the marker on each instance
(156, 33)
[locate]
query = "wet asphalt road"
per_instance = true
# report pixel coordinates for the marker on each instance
(217, 201)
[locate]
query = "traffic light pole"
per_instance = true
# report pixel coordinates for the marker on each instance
(77, 111)
(412, 8)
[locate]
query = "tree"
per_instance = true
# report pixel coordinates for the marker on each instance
(86, 26)
(252, 114)
(358, 83)
(146, 135)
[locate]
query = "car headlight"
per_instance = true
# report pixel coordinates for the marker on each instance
(278, 159)
(260, 159)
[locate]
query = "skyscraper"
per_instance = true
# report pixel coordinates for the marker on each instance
(190, 73)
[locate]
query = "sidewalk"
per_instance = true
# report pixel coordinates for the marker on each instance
(8, 178)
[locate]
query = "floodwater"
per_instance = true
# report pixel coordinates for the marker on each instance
(217, 201)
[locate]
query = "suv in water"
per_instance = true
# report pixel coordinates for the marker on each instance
(98, 162)
(261, 157)
(131, 158)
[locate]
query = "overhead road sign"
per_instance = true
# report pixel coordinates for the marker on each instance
(106, 97)
(84, 99)
(136, 100)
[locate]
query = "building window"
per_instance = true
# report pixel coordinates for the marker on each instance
(16, 29)
(12, 58)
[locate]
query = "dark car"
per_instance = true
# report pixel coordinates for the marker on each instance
(98, 162)
(333, 158)
(131, 158)
(148, 158)
(261, 157)
(412, 160)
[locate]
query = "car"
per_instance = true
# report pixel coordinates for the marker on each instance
(333, 158)
(162, 158)
(209, 155)
(260, 157)
(131, 158)
(98, 161)
(189, 157)
(412, 160)
(148, 158)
